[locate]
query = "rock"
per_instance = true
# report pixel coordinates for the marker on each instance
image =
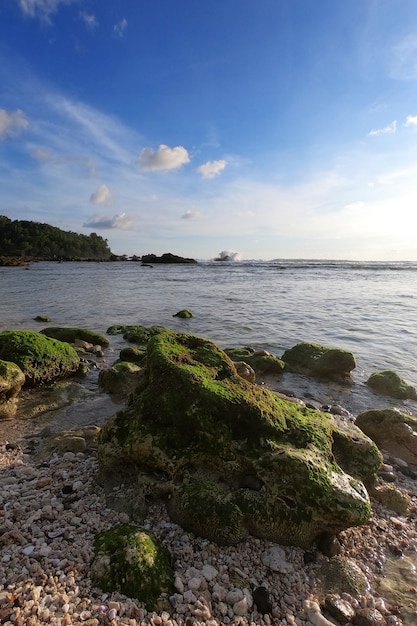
(42, 318)
(194, 429)
(368, 617)
(392, 431)
(274, 559)
(135, 334)
(392, 498)
(185, 314)
(133, 355)
(245, 371)
(328, 544)
(11, 380)
(71, 334)
(315, 360)
(262, 599)
(314, 614)
(391, 384)
(342, 574)
(131, 561)
(41, 359)
(168, 257)
(261, 361)
(120, 379)
(338, 608)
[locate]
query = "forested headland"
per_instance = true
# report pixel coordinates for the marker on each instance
(21, 239)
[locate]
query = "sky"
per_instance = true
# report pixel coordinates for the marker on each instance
(267, 128)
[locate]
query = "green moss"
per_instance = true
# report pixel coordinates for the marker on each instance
(135, 334)
(41, 359)
(70, 335)
(133, 562)
(391, 384)
(263, 363)
(133, 355)
(120, 379)
(183, 314)
(317, 360)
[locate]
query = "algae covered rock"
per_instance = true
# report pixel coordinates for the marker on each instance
(342, 574)
(136, 334)
(70, 335)
(184, 314)
(391, 430)
(391, 384)
(120, 379)
(11, 380)
(315, 360)
(133, 562)
(41, 359)
(195, 431)
(260, 360)
(133, 354)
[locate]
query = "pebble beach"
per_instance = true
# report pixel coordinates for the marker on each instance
(52, 507)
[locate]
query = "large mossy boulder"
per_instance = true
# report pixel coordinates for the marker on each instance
(11, 380)
(316, 360)
(260, 360)
(41, 359)
(131, 561)
(71, 335)
(391, 430)
(391, 384)
(233, 457)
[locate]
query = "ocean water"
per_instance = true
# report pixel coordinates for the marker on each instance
(369, 308)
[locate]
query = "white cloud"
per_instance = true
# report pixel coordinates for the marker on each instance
(118, 222)
(89, 19)
(211, 168)
(164, 158)
(190, 214)
(42, 9)
(411, 120)
(102, 194)
(391, 128)
(12, 123)
(120, 28)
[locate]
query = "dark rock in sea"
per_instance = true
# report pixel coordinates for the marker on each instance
(262, 599)
(184, 314)
(391, 430)
(391, 384)
(193, 429)
(316, 360)
(166, 258)
(42, 318)
(70, 335)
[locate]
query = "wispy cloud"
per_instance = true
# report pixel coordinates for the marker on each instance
(121, 221)
(42, 9)
(387, 130)
(119, 29)
(89, 20)
(211, 169)
(102, 194)
(404, 59)
(12, 123)
(411, 120)
(164, 158)
(190, 214)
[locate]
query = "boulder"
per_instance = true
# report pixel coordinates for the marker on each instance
(194, 430)
(391, 430)
(70, 335)
(391, 384)
(11, 380)
(315, 360)
(342, 574)
(260, 360)
(131, 561)
(133, 355)
(41, 359)
(120, 379)
(136, 334)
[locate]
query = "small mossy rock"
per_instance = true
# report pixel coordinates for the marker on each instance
(135, 334)
(316, 360)
(131, 561)
(70, 335)
(342, 574)
(42, 318)
(11, 380)
(391, 430)
(133, 355)
(120, 379)
(392, 498)
(391, 384)
(184, 314)
(193, 427)
(261, 361)
(245, 371)
(41, 359)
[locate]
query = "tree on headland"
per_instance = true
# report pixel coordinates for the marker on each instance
(21, 238)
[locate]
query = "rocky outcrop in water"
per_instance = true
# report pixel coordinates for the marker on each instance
(232, 458)
(390, 383)
(316, 360)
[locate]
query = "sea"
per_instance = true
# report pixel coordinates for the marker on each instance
(369, 308)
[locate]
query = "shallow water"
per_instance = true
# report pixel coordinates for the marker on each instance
(399, 586)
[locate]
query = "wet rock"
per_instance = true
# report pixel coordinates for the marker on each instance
(316, 360)
(368, 617)
(391, 430)
(392, 498)
(342, 574)
(338, 608)
(245, 371)
(11, 381)
(70, 335)
(262, 599)
(261, 361)
(390, 383)
(184, 314)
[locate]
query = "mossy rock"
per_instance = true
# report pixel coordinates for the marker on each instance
(131, 561)
(42, 318)
(184, 314)
(135, 334)
(11, 380)
(391, 430)
(392, 498)
(70, 335)
(41, 359)
(342, 574)
(391, 384)
(133, 355)
(120, 379)
(193, 429)
(261, 361)
(316, 360)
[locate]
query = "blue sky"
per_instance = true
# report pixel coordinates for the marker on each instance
(275, 129)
